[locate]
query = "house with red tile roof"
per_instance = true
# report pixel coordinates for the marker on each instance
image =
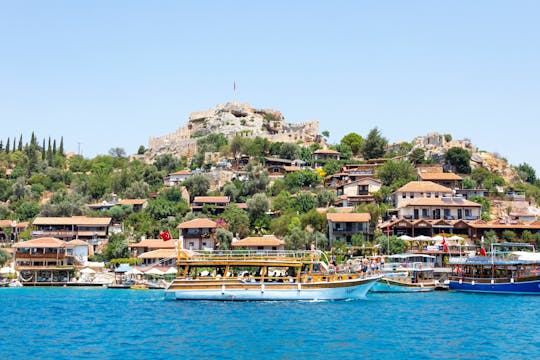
(177, 177)
(215, 204)
(419, 189)
(344, 225)
(266, 242)
(447, 208)
(357, 192)
(94, 230)
(159, 257)
(319, 157)
(147, 245)
(198, 234)
(43, 261)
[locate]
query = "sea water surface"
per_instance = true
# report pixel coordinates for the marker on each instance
(98, 323)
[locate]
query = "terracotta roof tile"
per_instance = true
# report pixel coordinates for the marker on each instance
(198, 223)
(443, 201)
(132, 201)
(44, 242)
(154, 244)
(181, 172)
(74, 220)
(211, 199)
(423, 186)
(76, 242)
(258, 241)
(348, 217)
(158, 254)
(439, 176)
(326, 151)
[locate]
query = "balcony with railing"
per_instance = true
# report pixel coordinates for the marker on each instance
(61, 234)
(40, 255)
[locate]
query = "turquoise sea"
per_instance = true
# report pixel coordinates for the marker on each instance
(97, 323)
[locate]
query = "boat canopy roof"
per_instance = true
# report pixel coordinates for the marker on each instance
(488, 260)
(277, 257)
(411, 257)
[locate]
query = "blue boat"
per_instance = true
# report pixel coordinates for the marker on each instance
(505, 270)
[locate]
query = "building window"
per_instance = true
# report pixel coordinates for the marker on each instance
(428, 195)
(436, 194)
(411, 195)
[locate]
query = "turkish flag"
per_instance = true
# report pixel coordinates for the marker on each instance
(445, 246)
(166, 235)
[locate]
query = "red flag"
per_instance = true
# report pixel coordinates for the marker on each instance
(483, 251)
(166, 235)
(445, 247)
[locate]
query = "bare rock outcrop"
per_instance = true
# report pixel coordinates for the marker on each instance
(231, 119)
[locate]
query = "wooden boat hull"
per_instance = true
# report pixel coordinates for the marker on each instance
(392, 286)
(531, 287)
(242, 291)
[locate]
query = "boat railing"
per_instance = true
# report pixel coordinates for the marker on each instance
(314, 255)
(415, 266)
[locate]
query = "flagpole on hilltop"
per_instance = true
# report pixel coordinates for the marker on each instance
(234, 91)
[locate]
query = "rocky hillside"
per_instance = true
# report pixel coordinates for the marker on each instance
(232, 119)
(436, 145)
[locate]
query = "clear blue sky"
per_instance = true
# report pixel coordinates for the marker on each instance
(112, 73)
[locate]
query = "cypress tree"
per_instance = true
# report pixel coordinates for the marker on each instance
(61, 148)
(20, 147)
(54, 147)
(7, 146)
(1, 145)
(14, 148)
(43, 155)
(49, 152)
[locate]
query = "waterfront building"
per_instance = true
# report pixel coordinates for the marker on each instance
(345, 225)
(265, 242)
(44, 261)
(93, 230)
(146, 245)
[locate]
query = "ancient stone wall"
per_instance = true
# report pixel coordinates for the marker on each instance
(231, 119)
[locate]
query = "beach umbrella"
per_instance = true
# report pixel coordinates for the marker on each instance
(406, 237)
(437, 238)
(154, 271)
(455, 238)
(422, 238)
(171, 270)
(7, 270)
(134, 271)
(123, 268)
(87, 271)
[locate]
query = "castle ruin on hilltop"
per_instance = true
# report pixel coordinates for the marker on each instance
(231, 119)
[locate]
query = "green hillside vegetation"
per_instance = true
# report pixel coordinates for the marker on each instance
(37, 178)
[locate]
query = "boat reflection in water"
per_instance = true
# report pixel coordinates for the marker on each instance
(263, 275)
